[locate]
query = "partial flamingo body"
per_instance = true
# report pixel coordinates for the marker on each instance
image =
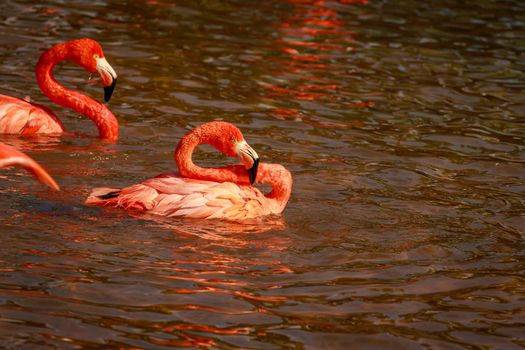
(207, 193)
(19, 116)
(10, 156)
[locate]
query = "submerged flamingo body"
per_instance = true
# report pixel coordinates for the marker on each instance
(10, 156)
(19, 116)
(214, 193)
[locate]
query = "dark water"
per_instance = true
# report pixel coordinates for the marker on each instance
(401, 121)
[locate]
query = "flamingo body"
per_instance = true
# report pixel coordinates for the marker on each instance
(175, 196)
(198, 193)
(19, 116)
(10, 156)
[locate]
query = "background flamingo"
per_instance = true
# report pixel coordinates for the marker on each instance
(10, 156)
(19, 116)
(206, 193)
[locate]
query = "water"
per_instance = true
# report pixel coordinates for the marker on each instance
(402, 123)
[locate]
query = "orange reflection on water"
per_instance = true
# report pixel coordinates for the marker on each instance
(219, 271)
(206, 329)
(298, 94)
(310, 38)
(223, 232)
(189, 340)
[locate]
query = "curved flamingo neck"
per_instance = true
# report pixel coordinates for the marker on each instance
(280, 179)
(183, 159)
(275, 175)
(102, 117)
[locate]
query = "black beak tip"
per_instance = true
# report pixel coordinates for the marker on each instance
(108, 90)
(252, 172)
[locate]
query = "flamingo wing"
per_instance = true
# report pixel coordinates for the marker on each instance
(18, 116)
(175, 196)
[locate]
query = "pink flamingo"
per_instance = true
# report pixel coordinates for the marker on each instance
(206, 193)
(19, 116)
(10, 156)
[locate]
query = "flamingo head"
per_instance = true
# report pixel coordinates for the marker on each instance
(230, 141)
(88, 54)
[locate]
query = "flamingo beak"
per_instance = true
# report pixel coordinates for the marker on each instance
(108, 76)
(249, 159)
(252, 172)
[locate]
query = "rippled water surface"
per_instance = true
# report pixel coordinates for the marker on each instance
(401, 121)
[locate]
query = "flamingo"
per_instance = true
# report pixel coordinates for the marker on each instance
(18, 116)
(10, 156)
(207, 193)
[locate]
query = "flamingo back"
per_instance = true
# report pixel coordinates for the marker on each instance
(18, 116)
